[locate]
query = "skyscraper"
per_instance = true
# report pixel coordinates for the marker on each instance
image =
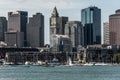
(3, 27)
(114, 24)
(62, 21)
(17, 22)
(35, 30)
(91, 21)
(73, 29)
(106, 33)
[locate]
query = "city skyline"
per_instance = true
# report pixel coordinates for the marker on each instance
(64, 8)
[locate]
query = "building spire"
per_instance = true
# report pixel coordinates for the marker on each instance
(55, 13)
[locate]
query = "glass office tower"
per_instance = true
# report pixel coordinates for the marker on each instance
(91, 21)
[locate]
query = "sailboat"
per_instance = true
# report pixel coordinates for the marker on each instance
(70, 62)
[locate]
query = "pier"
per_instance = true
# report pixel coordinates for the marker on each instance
(21, 55)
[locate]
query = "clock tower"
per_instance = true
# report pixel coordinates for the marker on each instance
(54, 22)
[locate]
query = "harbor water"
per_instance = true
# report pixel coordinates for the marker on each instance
(60, 73)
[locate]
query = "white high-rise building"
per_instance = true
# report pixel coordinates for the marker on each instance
(106, 35)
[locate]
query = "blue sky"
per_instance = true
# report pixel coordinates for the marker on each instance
(70, 8)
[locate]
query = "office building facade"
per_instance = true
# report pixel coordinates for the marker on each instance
(35, 30)
(74, 30)
(61, 43)
(17, 22)
(114, 26)
(62, 21)
(14, 39)
(106, 35)
(3, 27)
(91, 21)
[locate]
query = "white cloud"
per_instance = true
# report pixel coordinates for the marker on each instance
(20, 0)
(61, 4)
(44, 4)
(5, 2)
(9, 2)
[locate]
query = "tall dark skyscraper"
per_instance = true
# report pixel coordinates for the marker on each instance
(62, 21)
(35, 31)
(3, 27)
(17, 22)
(91, 21)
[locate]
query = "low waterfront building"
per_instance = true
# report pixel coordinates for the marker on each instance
(81, 55)
(99, 53)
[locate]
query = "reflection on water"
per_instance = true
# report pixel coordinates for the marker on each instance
(60, 73)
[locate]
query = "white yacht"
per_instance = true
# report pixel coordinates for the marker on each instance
(88, 64)
(55, 61)
(101, 64)
(27, 63)
(70, 62)
(8, 63)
